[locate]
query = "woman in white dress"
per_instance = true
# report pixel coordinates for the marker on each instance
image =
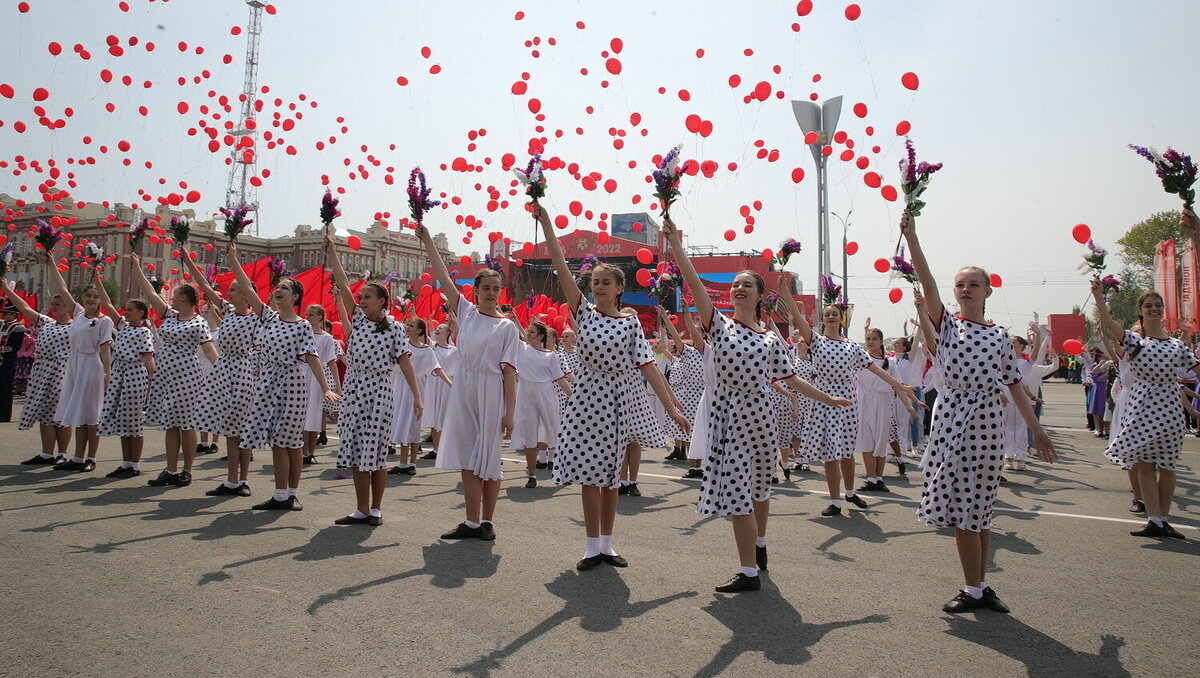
(327, 355)
(88, 369)
(480, 411)
(537, 417)
(877, 426)
(437, 391)
(123, 411)
(52, 351)
(406, 422)
(962, 462)
(741, 440)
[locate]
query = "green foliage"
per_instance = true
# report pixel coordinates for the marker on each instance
(1138, 243)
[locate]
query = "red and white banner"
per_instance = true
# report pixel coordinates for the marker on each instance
(1189, 300)
(1166, 283)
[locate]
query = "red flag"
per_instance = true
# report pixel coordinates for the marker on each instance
(1166, 283)
(1189, 300)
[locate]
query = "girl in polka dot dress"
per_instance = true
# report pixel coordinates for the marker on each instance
(804, 406)
(537, 417)
(230, 385)
(480, 411)
(375, 346)
(1151, 424)
(741, 440)
(175, 393)
(406, 423)
(686, 379)
(286, 352)
(123, 411)
(599, 427)
(963, 459)
(52, 349)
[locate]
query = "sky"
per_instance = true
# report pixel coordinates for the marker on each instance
(1029, 105)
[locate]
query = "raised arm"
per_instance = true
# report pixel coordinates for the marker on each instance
(926, 323)
(345, 298)
(1110, 325)
(198, 277)
(439, 267)
(105, 303)
(933, 299)
(566, 279)
(156, 302)
(231, 258)
(30, 313)
(59, 285)
(670, 327)
(693, 332)
(794, 314)
(700, 298)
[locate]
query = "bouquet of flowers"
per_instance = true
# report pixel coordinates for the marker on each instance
(666, 179)
(180, 230)
(491, 263)
(506, 308)
(329, 208)
(786, 250)
(663, 287)
(388, 278)
(6, 255)
(1176, 171)
(236, 221)
(96, 254)
(156, 283)
(770, 303)
(1095, 260)
(532, 178)
(47, 236)
(410, 295)
(530, 299)
(210, 274)
(831, 293)
(418, 196)
(903, 268)
(1110, 284)
(590, 261)
(136, 233)
(278, 269)
(915, 178)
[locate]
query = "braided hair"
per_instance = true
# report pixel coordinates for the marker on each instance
(383, 324)
(879, 333)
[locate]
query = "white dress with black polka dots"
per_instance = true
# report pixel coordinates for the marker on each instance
(608, 409)
(471, 430)
(175, 393)
(230, 385)
(406, 427)
(437, 392)
(366, 414)
(962, 462)
(51, 352)
(537, 417)
(741, 436)
(1152, 425)
(83, 386)
(314, 403)
(804, 405)
(276, 414)
(686, 379)
(831, 433)
(124, 409)
(570, 365)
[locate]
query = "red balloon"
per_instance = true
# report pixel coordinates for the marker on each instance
(872, 179)
(903, 128)
(888, 193)
(860, 109)
(692, 122)
(797, 175)
(643, 277)
(41, 94)
(55, 48)
(895, 295)
(465, 260)
(1072, 347)
(645, 256)
(613, 65)
(193, 196)
(7, 91)
(804, 7)
(883, 265)
(768, 254)
(1081, 233)
(853, 12)
(602, 237)
(851, 248)
(730, 235)
(996, 280)
(910, 80)
(354, 243)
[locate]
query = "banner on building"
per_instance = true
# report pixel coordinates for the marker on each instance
(1166, 283)
(1189, 300)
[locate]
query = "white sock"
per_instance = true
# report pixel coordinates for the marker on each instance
(836, 502)
(486, 522)
(43, 455)
(292, 491)
(471, 524)
(376, 513)
(126, 464)
(172, 473)
(232, 486)
(281, 495)
(750, 571)
(77, 460)
(358, 514)
(983, 585)
(974, 591)
(625, 482)
(849, 493)
(762, 542)
(1156, 520)
(135, 465)
(606, 546)
(593, 547)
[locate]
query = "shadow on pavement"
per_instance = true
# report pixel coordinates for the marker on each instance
(336, 541)
(1042, 655)
(855, 525)
(598, 598)
(230, 524)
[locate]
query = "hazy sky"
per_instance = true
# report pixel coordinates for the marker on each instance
(1030, 106)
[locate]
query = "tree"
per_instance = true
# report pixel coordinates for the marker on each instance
(1139, 242)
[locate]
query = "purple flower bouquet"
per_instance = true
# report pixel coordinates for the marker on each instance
(663, 287)
(831, 293)
(1095, 260)
(666, 179)
(329, 208)
(278, 269)
(1176, 171)
(532, 178)
(180, 230)
(47, 236)
(136, 233)
(6, 255)
(786, 250)
(903, 268)
(236, 221)
(915, 178)
(418, 196)
(1110, 284)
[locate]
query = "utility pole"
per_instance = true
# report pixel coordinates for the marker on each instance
(244, 156)
(821, 120)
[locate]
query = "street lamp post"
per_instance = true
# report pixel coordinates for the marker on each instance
(845, 255)
(823, 121)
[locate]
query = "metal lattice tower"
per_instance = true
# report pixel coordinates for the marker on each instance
(243, 166)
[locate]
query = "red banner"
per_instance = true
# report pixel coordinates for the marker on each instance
(1189, 301)
(1166, 283)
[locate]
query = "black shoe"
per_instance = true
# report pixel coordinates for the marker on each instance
(880, 487)
(322, 439)
(163, 479)
(589, 563)
(632, 490)
(88, 466)
(201, 448)
(274, 504)
(787, 473)
(1150, 529)
(832, 510)
(38, 460)
(118, 472)
(68, 465)
(396, 471)
(310, 459)
(374, 521)
(1137, 506)
(351, 520)
(132, 473)
(868, 486)
(225, 458)
(693, 473)
(993, 602)
(427, 439)
(541, 466)
(760, 557)
(183, 479)
(1171, 531)
(963, 602)
(463, 531)
(739, 583)
(615, 560)
(223, 491)
(432, 454)
(774, 479)
(803, 467)
(487, 532)
(293, 504)
(243, 490)
(624, 489)
(531, 482)
(409, 470)
(902, 467)
(857, 501)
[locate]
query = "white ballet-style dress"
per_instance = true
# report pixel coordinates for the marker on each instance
(83, 385)
(123, 412)
(437, 392)
(471, 430)
(685, 376)
(276, 414)
(962, 462)
(51, 352)
(1120, 397)
(178, 381)
(876, 411)
(607, 410)
(365, 422)
(537, 417)
(327, 353)
(1152, 423)
(698, 446)
(1016, 431)
(906, 371)
(229, 387)
(741, 439)
(406, 426)
(831, 433)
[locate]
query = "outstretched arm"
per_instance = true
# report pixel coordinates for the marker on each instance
(1110, 325)
(670, 327)
(198, 277)
(933, 299)
(439, 267)
(794, 314)
(231, 258)
(566, 279)
(153, 298)
(693, 332)
(30, 313)
(59, 285)
(345, 296)
(700, 296)
(105, 303)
